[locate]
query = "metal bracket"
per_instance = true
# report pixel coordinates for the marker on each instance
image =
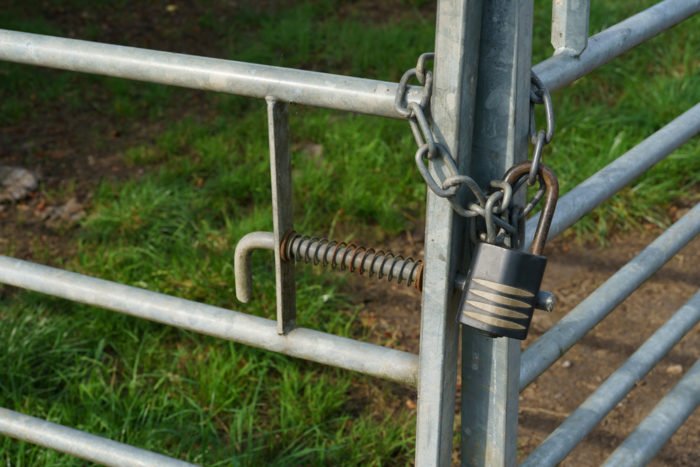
(376, 263)
(281, 180)
(570, 26)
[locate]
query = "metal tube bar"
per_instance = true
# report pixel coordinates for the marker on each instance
(490, 367)
(281, 180)
(243, 273)
(307, 87)
(610, 179)
(452, 108)
(563, 69)
(584, 419)
(570, 26)
(572, 327)
(666, 418)
(79, 443)
(308, 344)
(209, 74)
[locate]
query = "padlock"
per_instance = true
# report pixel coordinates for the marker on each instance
(502, 286)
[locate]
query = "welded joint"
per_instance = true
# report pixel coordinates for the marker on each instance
(241, 263)
(570, 26)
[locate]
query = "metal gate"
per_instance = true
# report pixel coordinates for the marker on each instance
(482, 49)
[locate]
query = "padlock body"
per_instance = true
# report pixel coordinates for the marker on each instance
(501, 291)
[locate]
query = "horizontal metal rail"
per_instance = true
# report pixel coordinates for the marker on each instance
(591, 311)
(79, 443)
(563, 69)
(613, 177)
(210, 74)
(668, 415)
(584, 419)
(235, 326)
(309, 87)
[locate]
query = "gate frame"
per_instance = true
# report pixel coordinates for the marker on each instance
(477, 57)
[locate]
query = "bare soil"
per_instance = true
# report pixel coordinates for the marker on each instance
(573, 272)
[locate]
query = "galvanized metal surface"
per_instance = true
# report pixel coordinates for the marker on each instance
(666, 418)
(452, 108)
(570, 26)
(584, 419)
(490, 367)
(563, 69)
(539, 137)
(243, 273)
(78, 443)
(306, 87)
(281, 181)
(612, 178)
(303, 343)
(572, 327)
(209, 74)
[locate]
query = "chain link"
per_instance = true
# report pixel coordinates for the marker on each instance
(539, 95)
(501, 221)
(449, 181)
(421, 72)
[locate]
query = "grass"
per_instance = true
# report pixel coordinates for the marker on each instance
(206, 183)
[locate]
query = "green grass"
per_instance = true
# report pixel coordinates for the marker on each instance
(610, 111)
(206, 184)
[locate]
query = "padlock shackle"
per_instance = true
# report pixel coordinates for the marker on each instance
(550, 202)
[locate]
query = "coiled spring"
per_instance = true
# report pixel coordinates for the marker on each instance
(339, 255)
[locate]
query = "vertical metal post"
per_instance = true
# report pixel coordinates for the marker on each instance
(570, 26)
(281, 177)
(452, 104)
(490, 367)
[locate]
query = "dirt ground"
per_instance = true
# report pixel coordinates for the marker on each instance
(573, 272)
(64, 151)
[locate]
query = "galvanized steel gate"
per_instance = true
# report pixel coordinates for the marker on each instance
(483, 48)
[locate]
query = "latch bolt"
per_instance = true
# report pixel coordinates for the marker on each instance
(339, 255)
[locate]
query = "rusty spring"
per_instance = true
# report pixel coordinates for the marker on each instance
(343, 256)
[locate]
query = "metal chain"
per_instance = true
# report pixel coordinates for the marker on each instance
(539, 94)
(449, 180)
(539, 138)
(500, 221)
